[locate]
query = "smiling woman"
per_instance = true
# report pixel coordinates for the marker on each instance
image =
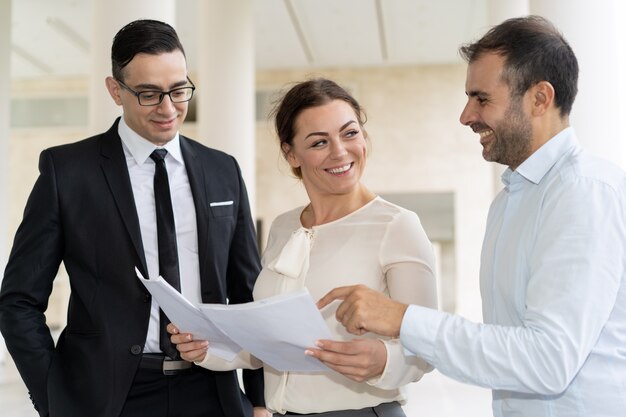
(346, 235)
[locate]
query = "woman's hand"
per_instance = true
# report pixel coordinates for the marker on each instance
(357, 359)
(190, 350)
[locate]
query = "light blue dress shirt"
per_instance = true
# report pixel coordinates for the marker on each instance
(552, 278)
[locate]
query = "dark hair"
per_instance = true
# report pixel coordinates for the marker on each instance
(534, 51)
(142, 36)
(304, 95)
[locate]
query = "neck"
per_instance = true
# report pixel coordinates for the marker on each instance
(328, 208)
(545, 129)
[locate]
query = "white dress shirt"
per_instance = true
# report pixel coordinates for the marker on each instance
(554, 297)
(141, 169)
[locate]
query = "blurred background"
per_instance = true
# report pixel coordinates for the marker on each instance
(398, 57)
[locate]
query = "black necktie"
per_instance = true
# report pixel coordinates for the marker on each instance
(166, 232)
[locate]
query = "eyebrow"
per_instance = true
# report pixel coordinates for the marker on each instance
(475, 93)
(326, 133)
(153, 87)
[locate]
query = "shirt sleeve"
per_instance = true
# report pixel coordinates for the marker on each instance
(408, 264)
(575, 267)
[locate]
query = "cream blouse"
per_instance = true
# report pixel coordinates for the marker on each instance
(380, 245)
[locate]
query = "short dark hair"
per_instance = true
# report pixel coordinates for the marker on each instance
(304, 95)
(142, 36)
(534, 51)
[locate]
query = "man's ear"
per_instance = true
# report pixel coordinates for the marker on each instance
(114, 89)
(542, 97)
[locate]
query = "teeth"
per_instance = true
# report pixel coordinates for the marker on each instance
(485, 133)
(340, 169)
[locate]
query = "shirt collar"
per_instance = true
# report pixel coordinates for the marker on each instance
(141, 148)
(537, 165)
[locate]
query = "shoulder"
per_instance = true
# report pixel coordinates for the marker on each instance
(193, 145)
(212, 157)
(101, 143)
(398, 223)
(388, 212)
(289, 219)
(582, 172)
(81, 155)
(281, 229)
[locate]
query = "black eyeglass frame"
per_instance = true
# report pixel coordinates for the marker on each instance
(161, 94)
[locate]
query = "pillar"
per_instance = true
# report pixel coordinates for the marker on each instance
(226, 82)
(5, 106)
(595, 32)
(498, 10)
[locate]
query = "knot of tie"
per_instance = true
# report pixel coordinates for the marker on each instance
(158, 155)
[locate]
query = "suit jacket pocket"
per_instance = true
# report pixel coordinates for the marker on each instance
(222, 209)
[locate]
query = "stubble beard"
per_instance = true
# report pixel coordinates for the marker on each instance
(513, 136)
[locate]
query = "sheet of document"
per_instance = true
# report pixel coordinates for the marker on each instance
(188, 318)
(277, 330)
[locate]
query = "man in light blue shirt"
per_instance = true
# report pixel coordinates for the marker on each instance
(553, 264)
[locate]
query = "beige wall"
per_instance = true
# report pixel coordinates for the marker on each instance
(418, 145)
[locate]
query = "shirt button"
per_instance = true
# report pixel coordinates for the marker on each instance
(146, 297)
(136, 349)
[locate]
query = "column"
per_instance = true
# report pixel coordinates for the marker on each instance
(595, 32)
(226, 82)
(498, 10)
(5, 106)
(108, 17)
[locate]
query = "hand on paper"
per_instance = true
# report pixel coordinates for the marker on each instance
(190, 350)
(365, 310)
(358, 359)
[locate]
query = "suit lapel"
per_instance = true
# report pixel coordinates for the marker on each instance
(116, 173)
(199, 183)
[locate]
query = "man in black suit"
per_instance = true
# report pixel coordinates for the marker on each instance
(93, 208)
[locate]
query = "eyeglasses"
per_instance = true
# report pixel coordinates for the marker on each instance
(154, 98)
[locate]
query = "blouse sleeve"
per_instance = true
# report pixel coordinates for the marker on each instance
(408, 263)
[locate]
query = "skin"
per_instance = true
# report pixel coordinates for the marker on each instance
(329, 147)
(506, 125)
(163, 72)
(511, 129)
(365, 310)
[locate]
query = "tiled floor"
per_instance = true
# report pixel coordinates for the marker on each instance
(437, 395)
(434, 396)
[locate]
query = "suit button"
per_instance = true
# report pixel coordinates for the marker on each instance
(146, 297)
(136, 349)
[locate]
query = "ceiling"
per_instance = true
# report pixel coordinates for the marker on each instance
(51, 38)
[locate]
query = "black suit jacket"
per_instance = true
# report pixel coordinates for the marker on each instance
(81, 212)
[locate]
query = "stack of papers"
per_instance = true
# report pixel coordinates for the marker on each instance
(276, 330)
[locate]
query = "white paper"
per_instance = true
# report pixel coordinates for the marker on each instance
(277, 330)
(188, 318)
